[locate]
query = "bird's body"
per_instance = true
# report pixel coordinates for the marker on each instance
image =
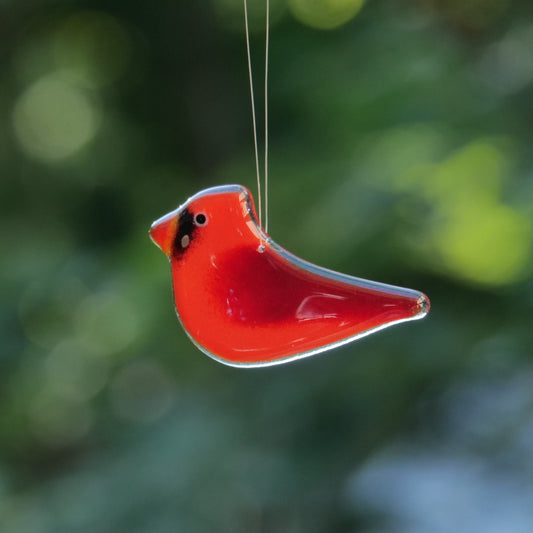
(246, 301)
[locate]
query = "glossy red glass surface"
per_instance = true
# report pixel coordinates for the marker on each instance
(247, 302)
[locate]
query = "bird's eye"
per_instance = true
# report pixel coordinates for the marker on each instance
(200, 219)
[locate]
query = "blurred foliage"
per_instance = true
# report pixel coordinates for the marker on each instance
(400, 151)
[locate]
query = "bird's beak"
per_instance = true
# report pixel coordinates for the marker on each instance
(163, 230)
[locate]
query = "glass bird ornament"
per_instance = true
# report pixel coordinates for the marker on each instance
(247, 302)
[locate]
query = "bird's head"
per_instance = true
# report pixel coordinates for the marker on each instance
(214, 218)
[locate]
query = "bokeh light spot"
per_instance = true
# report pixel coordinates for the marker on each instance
(471, 233)
(325, 14)
(476, 172)
(53, 119)
(74, 372)
(486, 242)
(480, 238)
(106, 323)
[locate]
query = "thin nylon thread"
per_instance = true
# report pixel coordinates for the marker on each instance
(267, 43)
(254, 120)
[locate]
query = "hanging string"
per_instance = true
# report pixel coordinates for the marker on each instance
(253, 112)
(267, 42)
(254, 120)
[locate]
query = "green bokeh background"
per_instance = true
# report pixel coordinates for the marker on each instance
(401, 151)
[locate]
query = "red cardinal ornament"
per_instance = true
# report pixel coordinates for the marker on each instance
(245, 301)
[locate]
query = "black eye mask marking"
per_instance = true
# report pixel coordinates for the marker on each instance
(185, 233)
